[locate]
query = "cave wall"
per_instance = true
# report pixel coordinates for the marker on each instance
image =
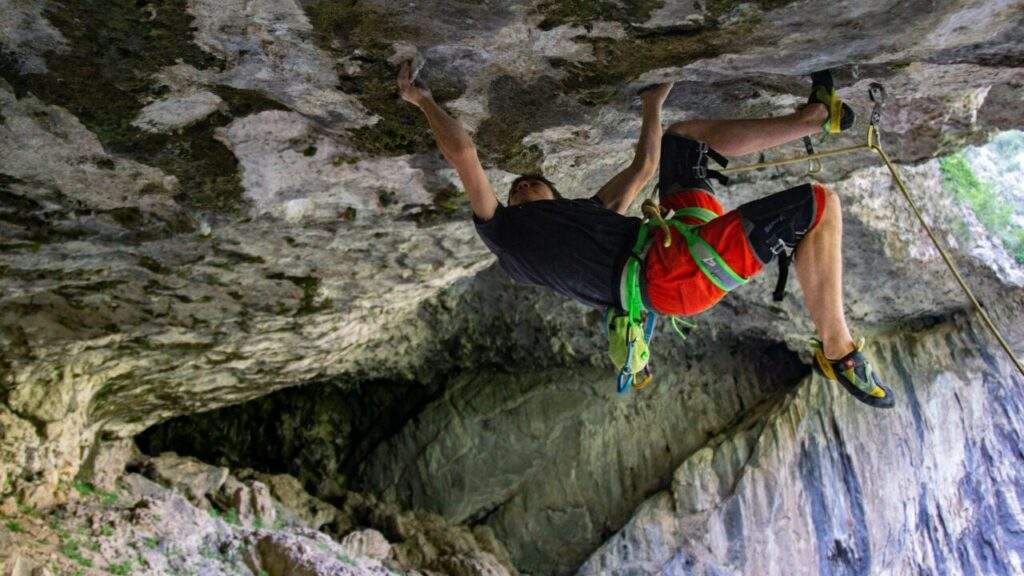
(819, 485)
(202, 203)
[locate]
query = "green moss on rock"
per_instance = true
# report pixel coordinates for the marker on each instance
(244, 102)
(347, 26)
(584, 12)
(517, 110)
(105, 79)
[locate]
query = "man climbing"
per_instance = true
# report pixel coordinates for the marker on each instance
(580, 247)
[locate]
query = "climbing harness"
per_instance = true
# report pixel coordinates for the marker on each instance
(878, 95)
(630, 331)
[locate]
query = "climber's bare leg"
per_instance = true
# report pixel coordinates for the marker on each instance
(738, 137)
(819, 266)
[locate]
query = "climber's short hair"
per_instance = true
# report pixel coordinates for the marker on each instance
(538, 178)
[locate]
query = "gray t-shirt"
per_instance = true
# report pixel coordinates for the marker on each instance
(575, 247)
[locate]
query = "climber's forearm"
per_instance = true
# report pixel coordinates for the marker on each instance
(451, 137)
(648, 147)
(458, 149)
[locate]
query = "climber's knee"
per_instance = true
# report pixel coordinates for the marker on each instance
(692, 129)
(778, 222)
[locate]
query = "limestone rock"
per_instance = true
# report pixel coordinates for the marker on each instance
(262, 504)
(28, 35)
(818, 476)
(369, 543)
(189, 476)
(178, 112)
(257, 210)
(289, 491)
(108, 461)
(312, 556)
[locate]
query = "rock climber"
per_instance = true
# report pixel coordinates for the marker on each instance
(579, 247)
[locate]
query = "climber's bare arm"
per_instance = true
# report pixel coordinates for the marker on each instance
(622, 189)
(455, 144)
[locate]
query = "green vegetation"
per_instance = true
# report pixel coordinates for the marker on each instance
(517, 110)
(346, 559)
(584, 12)
(445, 205)
(120, 569)
(151, 542)
(14, 526)
(310, 286)
(619, 61)
(348, 24)
(209, 552)
(87, 489)
(718, 8)
(231, 516)
(27, 510)
(994, 212)
(69, 546)
(106, 77)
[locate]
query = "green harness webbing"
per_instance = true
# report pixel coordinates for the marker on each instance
(704, 255)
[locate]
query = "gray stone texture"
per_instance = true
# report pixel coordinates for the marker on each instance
(330, 246)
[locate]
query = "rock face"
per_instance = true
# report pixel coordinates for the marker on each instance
(203, 203)
(192, 521)
(928, 489)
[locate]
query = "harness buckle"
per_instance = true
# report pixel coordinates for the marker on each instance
(779, 247)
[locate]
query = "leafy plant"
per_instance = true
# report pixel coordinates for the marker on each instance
(994, 212)
(14, 526)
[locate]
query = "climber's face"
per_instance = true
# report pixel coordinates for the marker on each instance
(528, 189)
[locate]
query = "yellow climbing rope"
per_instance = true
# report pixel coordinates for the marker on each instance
(877, 94)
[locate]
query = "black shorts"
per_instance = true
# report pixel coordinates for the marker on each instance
(684, 165)
(771, 224)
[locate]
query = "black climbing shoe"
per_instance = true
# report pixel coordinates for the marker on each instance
(823, 90)
(855, 373)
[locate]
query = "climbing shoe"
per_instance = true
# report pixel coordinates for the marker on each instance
(823, 90)
(855, 373)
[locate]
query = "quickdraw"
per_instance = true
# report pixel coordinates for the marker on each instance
(630, 332)
(877, 94)
(641, 321)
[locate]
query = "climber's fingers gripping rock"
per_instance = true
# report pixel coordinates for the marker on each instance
(408, 88)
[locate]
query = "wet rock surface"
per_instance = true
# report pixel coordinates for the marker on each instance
(204, 203)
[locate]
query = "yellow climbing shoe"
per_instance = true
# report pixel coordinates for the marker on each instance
(855, 373)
